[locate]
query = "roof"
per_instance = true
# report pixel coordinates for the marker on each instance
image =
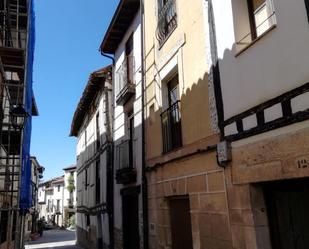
(120, 23)
(70, 167)
(95, 83)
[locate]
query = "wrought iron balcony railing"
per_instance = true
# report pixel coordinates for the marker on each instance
(171, 128)
(126, 172)
(167, 20)
(125, 85)
(123, 155)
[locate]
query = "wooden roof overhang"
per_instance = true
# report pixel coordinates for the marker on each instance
(120, 23)
(95, 83)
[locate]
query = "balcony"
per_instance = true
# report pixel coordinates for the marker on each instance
(125, 172)
(125, 85)
(171, 128)
(70, 203)
(167, 21)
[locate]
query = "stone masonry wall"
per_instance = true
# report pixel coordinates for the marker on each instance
(203, 181)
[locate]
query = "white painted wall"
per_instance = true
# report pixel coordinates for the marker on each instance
(86, 149)
(275, 64)
(119, 115)
(67, 174)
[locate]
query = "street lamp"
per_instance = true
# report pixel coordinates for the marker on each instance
(18, 116)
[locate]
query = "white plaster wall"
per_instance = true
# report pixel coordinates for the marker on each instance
(85, 151)
(276, 63)
(119, 117)
(66, 192)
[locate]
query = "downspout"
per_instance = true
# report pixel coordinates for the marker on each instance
(144, 177)
(110, 161)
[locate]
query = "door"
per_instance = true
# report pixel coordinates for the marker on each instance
(287, 206)
(130, 220)
(181, 223)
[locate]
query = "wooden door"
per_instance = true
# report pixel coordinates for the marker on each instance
(130, 220)
(181, 223)
(288, 205)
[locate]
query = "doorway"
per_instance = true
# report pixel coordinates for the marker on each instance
(130, 218)
(181, 223)
(287, 207)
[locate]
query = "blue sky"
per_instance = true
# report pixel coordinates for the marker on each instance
(68, 35)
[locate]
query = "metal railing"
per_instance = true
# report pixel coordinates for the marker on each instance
(125, 76)
(167, 20)
(247, 39)
(171, 128)
(123, 155)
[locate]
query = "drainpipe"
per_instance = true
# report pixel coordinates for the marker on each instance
(144, 177)
(110, 162)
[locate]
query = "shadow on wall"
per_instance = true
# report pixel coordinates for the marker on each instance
(92, 209)
(194, 113)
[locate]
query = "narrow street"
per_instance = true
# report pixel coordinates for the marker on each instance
(63, 239)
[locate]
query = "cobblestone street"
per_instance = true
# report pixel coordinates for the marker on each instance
(62, 239)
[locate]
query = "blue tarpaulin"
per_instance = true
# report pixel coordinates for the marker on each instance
(25, 191)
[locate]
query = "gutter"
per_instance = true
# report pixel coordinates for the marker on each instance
(144, 177)
(110, 159)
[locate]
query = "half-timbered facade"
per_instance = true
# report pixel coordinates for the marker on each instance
(260, 58)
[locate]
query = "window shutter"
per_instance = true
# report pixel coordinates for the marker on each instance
(307, 8)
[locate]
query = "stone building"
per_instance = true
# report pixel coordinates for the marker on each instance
(123, 41)
(260, 56)
(92, 125)
(187, 193)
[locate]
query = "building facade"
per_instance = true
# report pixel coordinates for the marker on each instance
(51, 201)
(92, 126)
(69, 196)
(184, 179)
(17, 109)
(32, 217)
(260, 57)
(123, 41)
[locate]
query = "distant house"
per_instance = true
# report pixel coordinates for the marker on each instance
(69, 196)
(50, 199)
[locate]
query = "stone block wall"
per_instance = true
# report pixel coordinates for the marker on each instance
(199, 178)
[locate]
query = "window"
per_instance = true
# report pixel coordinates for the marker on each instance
(260, 15)
(86, 179)
(58, 206)
(131, 137)
(171, 118)
(167, 19)
(125, 84)
(98, 143)
(129, 60)
(58, 188)
(98, 182)
(252, 18)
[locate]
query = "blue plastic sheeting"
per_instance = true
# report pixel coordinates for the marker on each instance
(25, 190)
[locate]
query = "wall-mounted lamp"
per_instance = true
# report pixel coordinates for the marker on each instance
(18, 116)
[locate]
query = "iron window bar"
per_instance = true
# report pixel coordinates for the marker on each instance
(167, 21)
(123, 155)
(171, 127)
(124, 82)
